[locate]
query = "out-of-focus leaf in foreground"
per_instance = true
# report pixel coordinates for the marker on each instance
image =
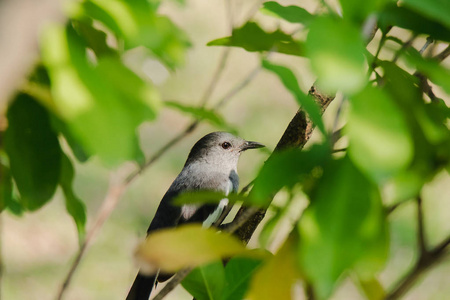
(344, 228)
(438, 10)
(252, 38)
(276, 277)
(285, 169)
(33, 150)
(103, 103)
(380, 142)
(238, 273)
(292, 13)
(206, 282)
(336, 51)
(198, 246)
(289, 80)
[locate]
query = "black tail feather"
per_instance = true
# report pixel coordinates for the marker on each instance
(142, 287)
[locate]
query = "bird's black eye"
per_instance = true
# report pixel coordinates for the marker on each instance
(226, 145)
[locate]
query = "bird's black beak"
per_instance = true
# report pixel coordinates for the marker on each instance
(251, 145)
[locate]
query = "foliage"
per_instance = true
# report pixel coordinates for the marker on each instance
(81, 92)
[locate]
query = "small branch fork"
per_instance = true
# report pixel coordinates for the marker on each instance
(427, 258)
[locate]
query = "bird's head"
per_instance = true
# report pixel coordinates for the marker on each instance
(220, 148)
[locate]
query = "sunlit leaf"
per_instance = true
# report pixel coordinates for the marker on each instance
(252, 38)
(161, 249)
(33, 150)
(289, 80)
(343, 228)
(404, 17)
(286, 168)
(202, 113)
(206, 282)
(336, 51)
(94, 38)
(101, 105)
(138, 24)
(292, 13)
(276, 277)
(75, 207)
(238, 273)
(380, 142)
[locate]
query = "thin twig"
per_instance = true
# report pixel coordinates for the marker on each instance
(176, 280)
(428, 42)
(444, 54)
(405, 46)
(108, 205)
(425, 261)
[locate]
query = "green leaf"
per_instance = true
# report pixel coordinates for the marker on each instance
(77, 149)
(336, 50)
(358, 11)
(238, 273)
(161, 249)
(138, 24)
(206, 282)
(404, 17)
(285, 169)
(292, 13)
(75, 207)
(33, 150)
(201, 113)
(264, 238)
(6, 187)
(438, 10)
(289, 80)
(438, 74)
(94, 38)
(275, 278)
(343, 228)
(101, 104)
(380, 142)
(372, 288)
(254, 39)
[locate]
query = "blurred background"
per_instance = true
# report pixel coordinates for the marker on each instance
(38, 248)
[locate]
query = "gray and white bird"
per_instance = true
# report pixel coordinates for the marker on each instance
(210, 166)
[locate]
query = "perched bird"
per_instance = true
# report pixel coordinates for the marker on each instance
(210, 166)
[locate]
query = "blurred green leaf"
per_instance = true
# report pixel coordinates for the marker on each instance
(358, 11)
(430, 134)
(336, 50)
(206, 282)
(6, 186)
(343, 228)
(292, 13)
(289, 80)
(274, 279)
(75, 207)
(264, 238)
(438, 10)
(161, 249)
(252, 38)
(238, 273)
(101, 104)
(138, 24)
(380, 143)
(404, 17)
(285, 169)
(33, 150)
(77, 149)
(202, 113)
(94, 38)
(431, 68)
(372, 288)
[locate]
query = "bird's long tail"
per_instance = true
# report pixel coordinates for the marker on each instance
(142, 287)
